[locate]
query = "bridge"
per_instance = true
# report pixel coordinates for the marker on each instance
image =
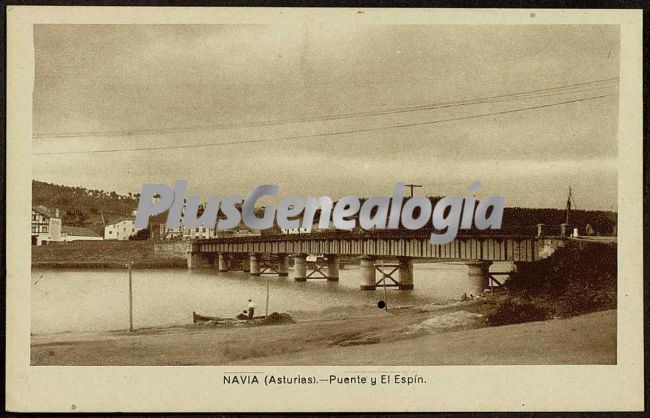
(270, 254)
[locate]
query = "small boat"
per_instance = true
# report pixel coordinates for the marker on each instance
(202, 318)
(197, 318)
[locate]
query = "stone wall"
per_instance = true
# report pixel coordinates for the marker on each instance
(171, 249)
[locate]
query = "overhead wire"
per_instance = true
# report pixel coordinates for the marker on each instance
(326, 134)
(561, 90)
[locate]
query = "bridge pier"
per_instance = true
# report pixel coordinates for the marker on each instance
(197, 260)
(405, 273)
(223, 262)
(477, 277)
(254, 264)
(333, 267)
(368, 280)
(300, 266)
(283, 265)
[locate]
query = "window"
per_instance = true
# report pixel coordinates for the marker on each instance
(44, 228)
(110, 232)
(34, 229)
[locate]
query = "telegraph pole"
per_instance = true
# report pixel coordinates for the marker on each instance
(412, 186)
(569, 201)
(267, 297)
(130, 297)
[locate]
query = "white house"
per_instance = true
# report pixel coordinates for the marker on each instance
(197, 233)
(121, 229)
(46, 226)
(73, 233)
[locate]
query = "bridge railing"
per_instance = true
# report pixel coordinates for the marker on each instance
(517, 232)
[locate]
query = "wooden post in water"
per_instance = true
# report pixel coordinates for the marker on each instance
(130, 298)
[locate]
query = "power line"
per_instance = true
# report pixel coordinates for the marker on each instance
(552, 91)
(412, 186)
(253, 141)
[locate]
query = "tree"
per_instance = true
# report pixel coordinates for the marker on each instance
(141, 235)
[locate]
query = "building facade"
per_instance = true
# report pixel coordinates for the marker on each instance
(184, 233)
(121, 229)
(46, 226)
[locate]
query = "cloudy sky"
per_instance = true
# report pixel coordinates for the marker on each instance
(331, 110)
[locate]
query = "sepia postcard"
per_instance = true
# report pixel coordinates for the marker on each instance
(287, 209)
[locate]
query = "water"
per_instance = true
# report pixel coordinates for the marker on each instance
(91, 300)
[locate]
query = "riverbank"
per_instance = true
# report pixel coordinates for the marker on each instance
(362, 335)
(105, 255)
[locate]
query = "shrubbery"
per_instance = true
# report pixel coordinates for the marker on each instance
(576, 279)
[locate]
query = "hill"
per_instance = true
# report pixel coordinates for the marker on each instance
(83, 207)
(577, 279)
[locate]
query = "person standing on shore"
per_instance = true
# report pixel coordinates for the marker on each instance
(251, 308)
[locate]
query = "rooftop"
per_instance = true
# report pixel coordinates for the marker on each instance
(44, 211)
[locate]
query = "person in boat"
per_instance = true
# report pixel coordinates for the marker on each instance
(251, 308)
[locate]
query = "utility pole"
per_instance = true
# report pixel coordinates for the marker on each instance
(412, 186)
(130, 297)
(267, 297)
(569, 202)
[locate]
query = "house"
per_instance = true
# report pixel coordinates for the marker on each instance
(184, 233)
(296, 231)
(120, 229)
(46, 226)
(199, 233)
(73, 233)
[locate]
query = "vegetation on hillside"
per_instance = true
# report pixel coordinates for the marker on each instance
(83, 207)
(576, 279)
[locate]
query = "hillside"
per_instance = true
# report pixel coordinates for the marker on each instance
(84, 207)
(577, 279)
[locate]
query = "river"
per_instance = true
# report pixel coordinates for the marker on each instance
(97, 300)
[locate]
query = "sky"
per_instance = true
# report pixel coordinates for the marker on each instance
(331, 110)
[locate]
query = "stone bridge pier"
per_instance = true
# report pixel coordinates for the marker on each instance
(405, 273)
(223, 262)
(300, 267)
(255, 264)
(478, 277)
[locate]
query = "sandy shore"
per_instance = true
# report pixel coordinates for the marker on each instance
(585, 339)
(420, 335)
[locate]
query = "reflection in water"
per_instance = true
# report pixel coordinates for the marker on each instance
(91, 300)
